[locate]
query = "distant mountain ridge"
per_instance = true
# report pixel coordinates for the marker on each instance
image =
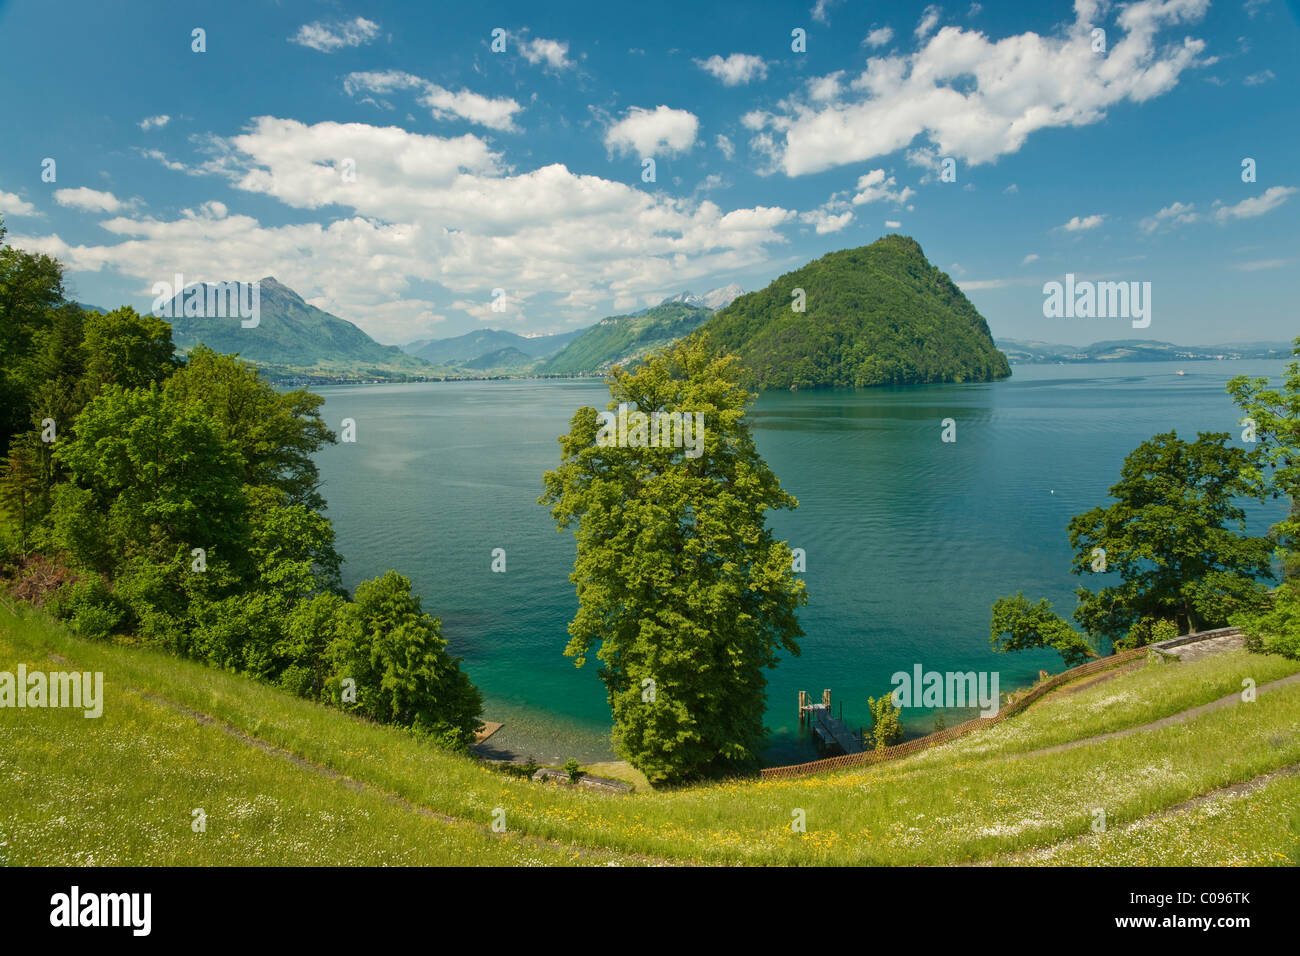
(621, 339)
(291, 334)
(1136, 350)
(473, 346)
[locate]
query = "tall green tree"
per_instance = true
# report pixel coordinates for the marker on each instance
(31, 287)
(127, 349)
(275, 433)
(1175, 536)
(1274, 414)
(684, 595)
(1018, 625)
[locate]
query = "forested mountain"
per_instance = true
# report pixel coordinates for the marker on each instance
(620, 339)
(1136, 350)
(290, 334)
(470, 349)
(876, 315)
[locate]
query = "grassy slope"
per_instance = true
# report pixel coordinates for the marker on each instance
(122, 788)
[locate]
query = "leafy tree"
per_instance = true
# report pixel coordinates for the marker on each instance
(160, 472)
(275, 433)
(396, 654)
(31, 287)
(1169, 537)
(886, 729)
(1276, 415)
(22, 494)
(123, 348)
(1018, 625)
(684, 595)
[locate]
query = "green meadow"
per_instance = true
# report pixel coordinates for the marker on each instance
(281, 780)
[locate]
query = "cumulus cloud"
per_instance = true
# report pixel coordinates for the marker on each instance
(736, 69)
(821, 10)
(328, 37)
(893, 224)
(831, 216)
(88, 200)
(879, 37)
(442, 103)
(426, 208)
(553, 53)
(728, 148)
(875, 186)
(1273, 197)
(929, 20)
(155, 122)
(1032, 257)
(645, 132)
(1079, 224)
(976, 98)
(14, 205)
(1179, 214)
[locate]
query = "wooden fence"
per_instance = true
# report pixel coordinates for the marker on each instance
(1017, 704)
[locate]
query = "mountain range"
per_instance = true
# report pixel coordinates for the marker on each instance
(1135, 350)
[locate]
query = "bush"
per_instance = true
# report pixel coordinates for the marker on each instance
(885, 725)
(1276, 629)
(571, 768)
(90, 607)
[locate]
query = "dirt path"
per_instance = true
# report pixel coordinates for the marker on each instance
(1179, 718)
(359, 786)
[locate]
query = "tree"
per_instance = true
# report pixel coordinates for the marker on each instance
(276, 433)
(886, 729)
(1017, 625)
(1275, 414)
(398, 658)
(1169, 537)
(684, 595)
(123, 348)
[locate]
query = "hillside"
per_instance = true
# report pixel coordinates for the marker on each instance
(620, 339)
(506, 358)
(877, 315)
(294, 336)
(287, 781)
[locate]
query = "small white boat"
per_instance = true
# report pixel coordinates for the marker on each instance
(1180, 372)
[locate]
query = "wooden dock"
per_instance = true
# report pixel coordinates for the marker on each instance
(830, 734)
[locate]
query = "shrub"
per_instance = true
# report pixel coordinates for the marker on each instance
(1276, 629)
(89, 606)
(571, 768)
(885, 725)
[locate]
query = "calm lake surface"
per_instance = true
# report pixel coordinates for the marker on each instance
(909, 540)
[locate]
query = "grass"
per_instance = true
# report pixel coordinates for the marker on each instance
(120, 789)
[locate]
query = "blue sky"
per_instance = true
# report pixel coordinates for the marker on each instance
(523, 170)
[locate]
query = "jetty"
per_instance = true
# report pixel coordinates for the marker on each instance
(830, 734)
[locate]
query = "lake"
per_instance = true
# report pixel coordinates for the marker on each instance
(909, 539)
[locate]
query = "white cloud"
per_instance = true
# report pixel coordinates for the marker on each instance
(1259, 264)
(728, 148)
(554, 53)
(1077, 224)
(649, 132)
(893, 224)
(1012, 189)
(831, 216)
(1032, 257)
(876, 186)
(736, 69)
(155, 122)
(1258, 79)
(929, 20)
(821, 10)
(1273, 197)
(328, 37)
(88, 200)
(977, 99)
(442, 103)
(1179, 214)
(879, 37)
(13, 205)
(426, 209)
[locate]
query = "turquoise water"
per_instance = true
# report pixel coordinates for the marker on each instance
(909, 540)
